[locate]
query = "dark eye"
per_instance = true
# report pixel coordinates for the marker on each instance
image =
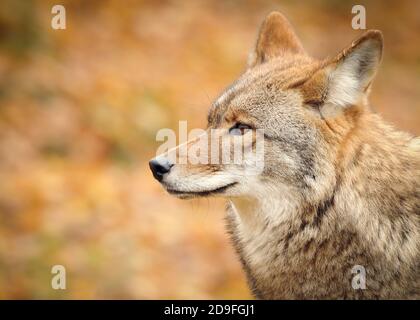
(239, 129)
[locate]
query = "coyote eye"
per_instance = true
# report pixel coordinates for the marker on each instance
(239, 129)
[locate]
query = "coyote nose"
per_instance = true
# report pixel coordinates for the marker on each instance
(159, 168)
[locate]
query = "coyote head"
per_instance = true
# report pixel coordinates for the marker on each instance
(303, 108)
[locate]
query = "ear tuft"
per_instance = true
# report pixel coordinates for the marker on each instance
(276, 37)
(352, 71)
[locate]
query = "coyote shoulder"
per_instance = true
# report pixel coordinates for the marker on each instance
(339, 187)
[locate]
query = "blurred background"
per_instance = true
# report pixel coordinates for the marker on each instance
(79, 111)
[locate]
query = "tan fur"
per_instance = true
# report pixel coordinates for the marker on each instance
(340, 187)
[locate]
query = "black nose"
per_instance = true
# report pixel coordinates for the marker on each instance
(159, 168)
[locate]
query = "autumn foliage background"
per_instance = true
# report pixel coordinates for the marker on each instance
(79, 112)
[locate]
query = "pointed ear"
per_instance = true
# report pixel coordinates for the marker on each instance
(276, 37)
(352, 71)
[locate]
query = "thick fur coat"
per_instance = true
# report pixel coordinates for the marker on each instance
(340, 188)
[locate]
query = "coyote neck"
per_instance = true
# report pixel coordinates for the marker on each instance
(293, 249)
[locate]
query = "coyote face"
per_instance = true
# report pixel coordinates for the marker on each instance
(286, 95)
(331, 188)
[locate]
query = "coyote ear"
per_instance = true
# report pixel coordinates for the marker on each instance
(352, 71)
(276, 37)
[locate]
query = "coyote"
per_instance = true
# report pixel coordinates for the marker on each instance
(339, 187)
